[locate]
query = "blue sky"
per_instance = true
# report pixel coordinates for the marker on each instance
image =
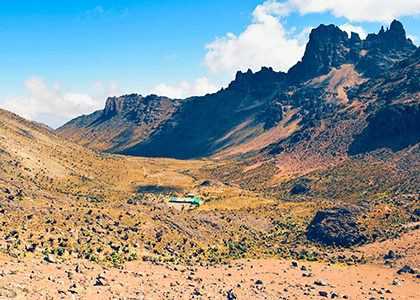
(60, 59)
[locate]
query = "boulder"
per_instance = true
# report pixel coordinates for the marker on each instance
(101, 280)
(299, 188)
(49, 258)
(390, 255)
(337, 225)
(212, 183)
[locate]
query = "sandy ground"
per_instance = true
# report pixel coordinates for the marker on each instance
(35, 278)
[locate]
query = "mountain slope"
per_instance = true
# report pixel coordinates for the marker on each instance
(62, 201)
(125, 121)
(337, 137)
(253, 111)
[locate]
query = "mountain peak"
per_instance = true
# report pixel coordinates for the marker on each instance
(253, 104)
(330, 47)
(323, 52)
(397, 26)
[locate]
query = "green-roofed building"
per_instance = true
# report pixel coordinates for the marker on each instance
(189, 199)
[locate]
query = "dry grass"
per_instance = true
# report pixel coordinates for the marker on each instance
(63, 199)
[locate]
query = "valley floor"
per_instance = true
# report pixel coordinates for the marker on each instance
(38, 278)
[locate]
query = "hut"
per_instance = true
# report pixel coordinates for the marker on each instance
(189, 199)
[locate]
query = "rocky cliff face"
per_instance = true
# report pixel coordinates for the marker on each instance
(329, 47)
(124, 121)
(382, 114)
(298, 110)
(205, 125)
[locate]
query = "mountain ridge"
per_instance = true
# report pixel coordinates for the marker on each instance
(297, 171)
(253, 109)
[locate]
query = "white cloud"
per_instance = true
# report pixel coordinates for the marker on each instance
(201, 87)
(58, 104)
(266, 42)
(303, 37)
(263, 43)
(358, 10)
(350, 28)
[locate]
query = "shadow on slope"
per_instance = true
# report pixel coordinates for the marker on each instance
(395, 127)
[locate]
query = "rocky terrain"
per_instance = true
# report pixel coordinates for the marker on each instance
(125, 121)
(308, 181)
(255, 110)
(51, 278)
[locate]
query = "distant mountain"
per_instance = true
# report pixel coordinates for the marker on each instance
(257, 110)
(43, 125)
(341, 126)
(329, 47)
(382, 113)
(124, 122)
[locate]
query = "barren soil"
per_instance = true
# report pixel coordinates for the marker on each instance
(36, 278)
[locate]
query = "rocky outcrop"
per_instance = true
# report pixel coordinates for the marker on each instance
(337, 225)
(260, 83)
(124, 121)
(324, 51)
(395, 127)
(212, 183)
(275, 105)
(393, 113)
(299, 188)
(271, 115)
(381, 51)
(330, 47)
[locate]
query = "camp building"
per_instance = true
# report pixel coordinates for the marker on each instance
(189, 199)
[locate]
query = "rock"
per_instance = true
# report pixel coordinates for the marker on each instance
(390, 255)
(414, 271)
(324, 51)
(80, 268)
(199, 292)
(7, 292)
(303, 268)
(335, 295)
(391, 126)
(337, 225)
(31, 247)
(396, 282)
(320, 282)
(405, 269)
(101, 280)
(294, 264)
(271, 115)
(76, 289)
(212, 183)
(259, 282)
(323, 294)
(299, 189)
(14, 253)
(232, 295)
(50, 259)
